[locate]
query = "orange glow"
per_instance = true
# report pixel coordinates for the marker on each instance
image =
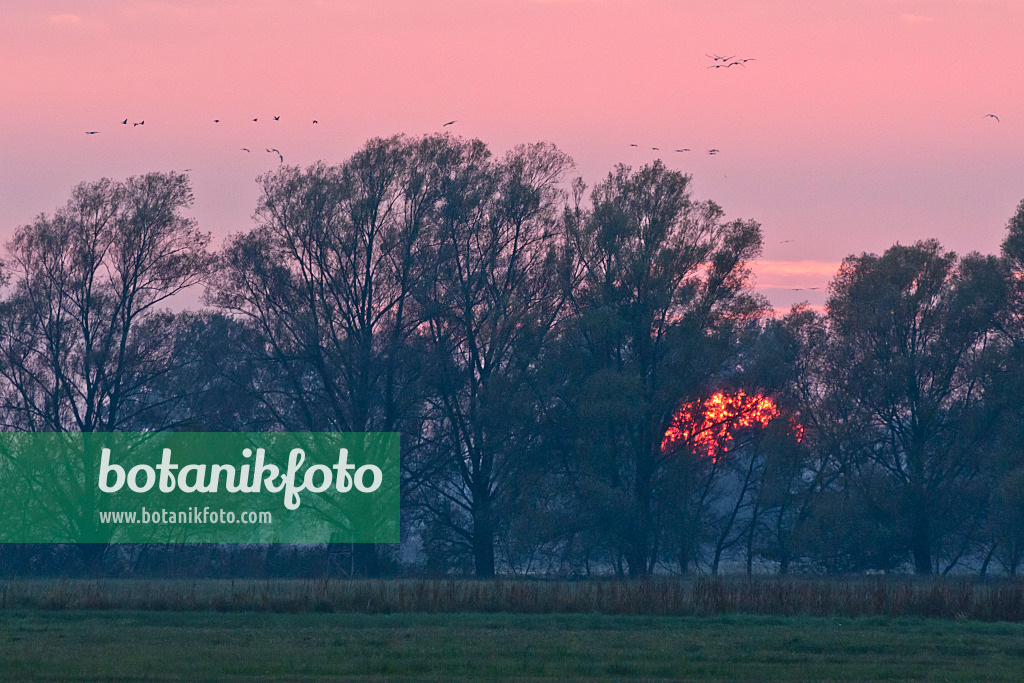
(708, 427)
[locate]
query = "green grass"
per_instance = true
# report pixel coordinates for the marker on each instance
(132, 645)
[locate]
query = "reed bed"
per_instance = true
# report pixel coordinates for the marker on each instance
(1001, 600)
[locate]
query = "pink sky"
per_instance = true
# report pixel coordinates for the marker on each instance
(861, 122)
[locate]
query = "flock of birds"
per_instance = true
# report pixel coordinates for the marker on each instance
(720, 63)
(270, 150)
(727, 62)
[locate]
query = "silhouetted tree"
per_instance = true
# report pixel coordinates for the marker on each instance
(658, 301)
(489, 304)
(1007, 398)
(325, 281)
(82, 336)
(908, 330)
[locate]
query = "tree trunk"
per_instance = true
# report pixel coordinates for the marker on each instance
(920, 544)
(483, 538)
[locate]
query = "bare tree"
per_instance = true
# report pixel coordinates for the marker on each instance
(489, 306)
(325, 282)
(82, 335)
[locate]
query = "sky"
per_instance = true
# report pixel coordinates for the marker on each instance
(857, 124)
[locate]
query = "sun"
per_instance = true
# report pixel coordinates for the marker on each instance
(707, 427)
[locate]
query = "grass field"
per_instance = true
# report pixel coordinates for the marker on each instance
(133, 645)
(960, 598)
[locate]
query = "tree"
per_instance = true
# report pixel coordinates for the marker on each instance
(1007, 502)
(82, 336)
(325, 282)
(489, 307)
(907, 335)
(657, 303)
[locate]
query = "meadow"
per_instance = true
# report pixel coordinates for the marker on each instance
(134, 645)
(854, 628)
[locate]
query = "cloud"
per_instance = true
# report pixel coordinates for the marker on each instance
(787, 279)
(821, 268)
(781, 311)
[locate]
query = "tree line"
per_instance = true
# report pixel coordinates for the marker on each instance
(583, 377)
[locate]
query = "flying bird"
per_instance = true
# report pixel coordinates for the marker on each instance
(92, 132)
(315, 121)
(633, 145)
(277, 118)
(255, 120)
(449, 123)
(246, 149)
(140, 123)
(684, 149)
(125, 122)
(719, 58)
(712, 151)
(656, 149)
(785, 241)
(216, 120)
(993, 116)
(279, 155)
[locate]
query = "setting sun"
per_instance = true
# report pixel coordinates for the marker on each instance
(708, 427)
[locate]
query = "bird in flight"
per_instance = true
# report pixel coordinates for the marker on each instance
(656, 149)
(279, 155)
(140, 123)
(92, 132)
(125, 122)
(993, 116)
(449, 123)
(785, 241)
(277, 118)
(216, 120)
(255, 120)
(684, 149)
(246, 149)
(727, 62)
(633, 145)
(712, 151)
(315, 121)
